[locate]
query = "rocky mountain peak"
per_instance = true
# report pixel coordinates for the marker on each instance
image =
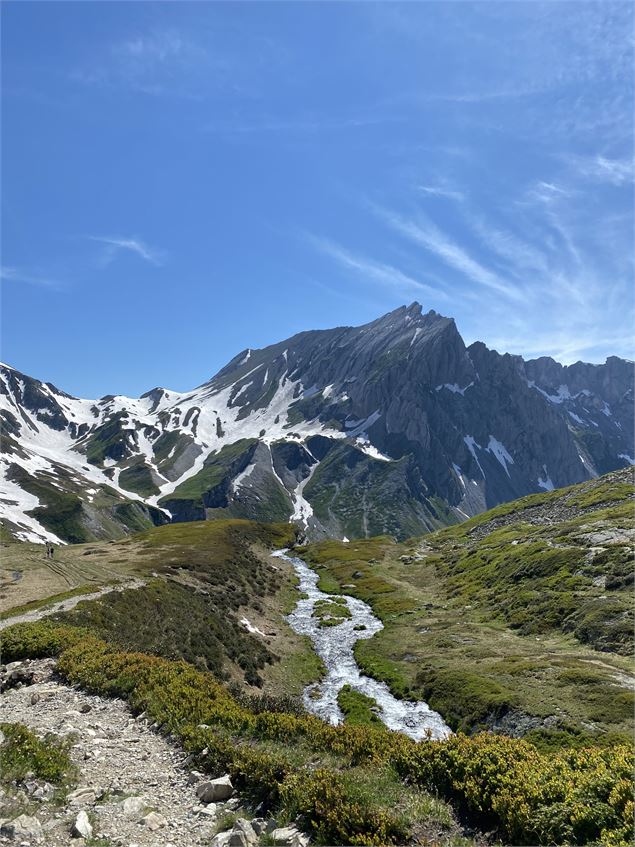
(392, 427)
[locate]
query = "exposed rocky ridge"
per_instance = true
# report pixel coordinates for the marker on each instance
(556, 511)
(392, 427)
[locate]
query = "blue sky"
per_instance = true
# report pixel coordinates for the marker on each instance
(184, 180)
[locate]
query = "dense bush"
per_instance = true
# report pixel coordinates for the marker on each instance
(576, 796)
(572, 796)
(177, 622)
(44, 638)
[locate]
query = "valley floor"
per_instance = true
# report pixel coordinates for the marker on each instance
(515, 626)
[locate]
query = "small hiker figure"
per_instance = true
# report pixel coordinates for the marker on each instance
(51, 549)
(48, 550)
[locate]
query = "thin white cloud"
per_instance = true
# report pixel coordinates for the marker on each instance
(577, 281)
(16, 275)
(519, 256)
(384, 274)
(154, 63)
(440, 191)
(601, 169)
(431, 238)
(300, 124)
(114, 245)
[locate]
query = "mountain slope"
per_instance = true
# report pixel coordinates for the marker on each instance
(392, 427)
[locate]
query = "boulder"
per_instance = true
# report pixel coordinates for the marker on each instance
(133, 808)
(194, 777)
(215, 790)
(289, 836)
(237, 839)
(210, 811)
(82, 828)
(244, 826)
(44, 792)
(154, 821)
(23, 828)
(82, 797)
(259, 825)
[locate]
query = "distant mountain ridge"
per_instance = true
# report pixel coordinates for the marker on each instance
(391, 427)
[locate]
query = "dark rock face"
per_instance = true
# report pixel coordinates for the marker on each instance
(395, 426)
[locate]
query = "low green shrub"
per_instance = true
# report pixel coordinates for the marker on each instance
(44, 638)
(572, 796)
(527, 796)
(22, 753)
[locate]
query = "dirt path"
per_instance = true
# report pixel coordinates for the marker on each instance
(118, 757)
(69, 603)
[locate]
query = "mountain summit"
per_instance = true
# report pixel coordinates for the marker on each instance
(391, 427)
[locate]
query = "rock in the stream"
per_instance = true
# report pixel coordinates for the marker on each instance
(82, 828)
(215, 790)
(23, 828)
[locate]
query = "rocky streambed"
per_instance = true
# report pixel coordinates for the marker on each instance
(334, 644)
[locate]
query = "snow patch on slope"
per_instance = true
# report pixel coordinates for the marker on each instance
(454, 388)
(470, 443)
(500, 452)
(545, 483)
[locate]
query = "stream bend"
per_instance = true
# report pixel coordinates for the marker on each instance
(334, 645)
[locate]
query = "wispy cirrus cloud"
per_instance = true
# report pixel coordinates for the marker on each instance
(442, 191)
(307, 124)
(599, 168)
(17, 275)
(154, 63)
(428, 235)
(569, 264)
(114, 246)
(379, 272)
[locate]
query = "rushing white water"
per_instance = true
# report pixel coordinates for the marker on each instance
(334, 645)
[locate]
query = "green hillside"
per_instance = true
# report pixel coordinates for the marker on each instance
(519, 620)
